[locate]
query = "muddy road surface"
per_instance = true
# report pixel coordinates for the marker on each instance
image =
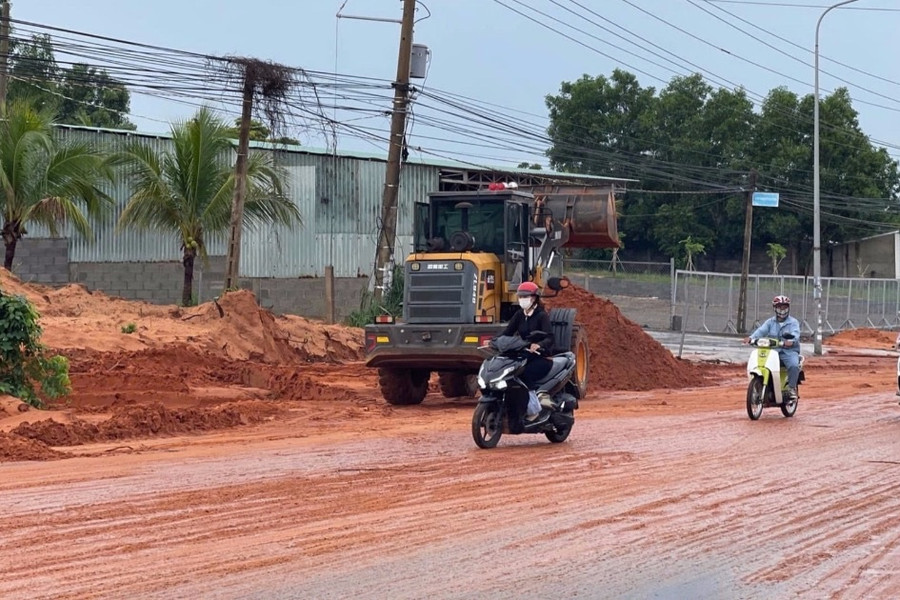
(656, 494)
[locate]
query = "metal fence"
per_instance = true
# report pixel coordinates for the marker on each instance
(700, 301)
(617, 268)
(708, 302)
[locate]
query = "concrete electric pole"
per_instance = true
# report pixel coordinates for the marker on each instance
(745, 262)
(388, 230)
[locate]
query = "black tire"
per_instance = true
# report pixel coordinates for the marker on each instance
(789, 407)
(455, 384)
(560, 435)
(403, 387)
(486, 426)
(562, 321)
(755, 396)
(582, 353)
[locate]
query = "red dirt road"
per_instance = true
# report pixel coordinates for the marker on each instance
(222, 452)
(664, 494)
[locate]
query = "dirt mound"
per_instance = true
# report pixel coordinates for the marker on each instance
(290, 384)
(234, 326)
(624, 356)
(864, 338)
(14, 448)
(145, 420)
(244, 331)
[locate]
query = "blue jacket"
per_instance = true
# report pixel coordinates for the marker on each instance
(772, 328)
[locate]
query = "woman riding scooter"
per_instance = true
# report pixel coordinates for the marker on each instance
(525, 323)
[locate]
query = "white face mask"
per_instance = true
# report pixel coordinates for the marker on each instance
(525, 303)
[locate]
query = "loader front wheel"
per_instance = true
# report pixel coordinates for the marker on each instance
(582, 360)
(402, 387)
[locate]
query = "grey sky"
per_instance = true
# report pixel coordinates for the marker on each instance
(485, 51)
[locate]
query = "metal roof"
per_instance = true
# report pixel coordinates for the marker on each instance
(431, 162)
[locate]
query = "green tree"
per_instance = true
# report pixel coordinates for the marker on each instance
(45, 182)
(691, 248)
(691, 138)
(33, 73)
(188, 191)
(90, 96)
(600, 125)
(776, 252)
(850, 167)
(80, 94)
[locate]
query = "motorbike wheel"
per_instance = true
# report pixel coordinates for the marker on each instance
(486, 425)
(755, 395)
(789, 408)
(559, 436)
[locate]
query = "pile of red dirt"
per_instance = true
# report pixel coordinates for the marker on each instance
(15, 447)
(864, 338)
(241, 330)
(624, 356)
(132, 420)
(234, 326)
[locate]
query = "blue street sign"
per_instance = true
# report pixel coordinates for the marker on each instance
(769, 199)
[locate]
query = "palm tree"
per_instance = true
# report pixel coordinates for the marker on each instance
(188, 191)
(45, 182)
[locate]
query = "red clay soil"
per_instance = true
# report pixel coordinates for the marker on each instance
(230, 363)
(15, 447)
(623, 355)
(865, 338)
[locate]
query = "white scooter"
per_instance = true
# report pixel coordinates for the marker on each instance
(768, 381)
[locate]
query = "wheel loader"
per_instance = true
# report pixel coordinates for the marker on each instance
(471, 251)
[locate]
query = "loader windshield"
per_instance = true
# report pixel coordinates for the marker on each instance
(486, 223)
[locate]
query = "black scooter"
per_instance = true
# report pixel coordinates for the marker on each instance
(504, 397)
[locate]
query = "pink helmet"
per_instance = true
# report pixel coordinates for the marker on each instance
(528, 288)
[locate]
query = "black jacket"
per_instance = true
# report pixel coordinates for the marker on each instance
(523, 326)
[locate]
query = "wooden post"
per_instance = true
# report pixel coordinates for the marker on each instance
(329, 294)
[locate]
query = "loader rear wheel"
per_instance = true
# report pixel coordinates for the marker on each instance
(402, 387)
(582, 360)
(455, 384)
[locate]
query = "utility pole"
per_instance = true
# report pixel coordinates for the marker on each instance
(233, 256)
(4, 52)
(745, 263)
(388, 229)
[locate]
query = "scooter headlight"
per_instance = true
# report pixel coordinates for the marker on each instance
(499, 381)
(481, 382)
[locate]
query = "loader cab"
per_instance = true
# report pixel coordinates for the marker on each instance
(479, 238)
(475, 222)
(458, 223)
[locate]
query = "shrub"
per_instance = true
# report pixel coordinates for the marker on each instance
(24, 362)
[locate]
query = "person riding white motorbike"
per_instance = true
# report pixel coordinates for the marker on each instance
(776, 327)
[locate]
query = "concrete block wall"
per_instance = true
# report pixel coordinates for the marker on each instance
(159, 283)
(306, 296)
(42, 260)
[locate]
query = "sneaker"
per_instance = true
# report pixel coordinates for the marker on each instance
(545, 400)
(532, 418)
(791, 394)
